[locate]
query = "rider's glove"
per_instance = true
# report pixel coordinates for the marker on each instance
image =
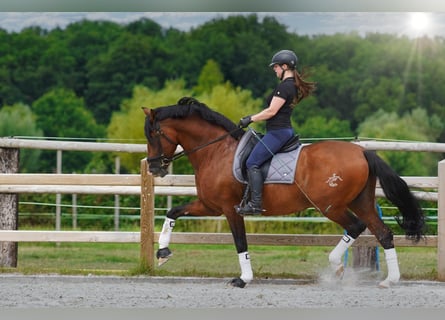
(244, 122)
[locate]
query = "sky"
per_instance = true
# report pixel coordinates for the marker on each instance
(304, 23)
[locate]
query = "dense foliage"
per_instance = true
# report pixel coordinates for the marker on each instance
(102, 62)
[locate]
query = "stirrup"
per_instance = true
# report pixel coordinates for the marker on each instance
(248, 210)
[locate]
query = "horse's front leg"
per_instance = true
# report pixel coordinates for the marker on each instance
(236, 223)
(195, 208)
(164, 253)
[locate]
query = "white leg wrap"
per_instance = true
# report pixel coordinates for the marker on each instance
(246, 268)
(393, 268)
(336, 254)
(164, 237)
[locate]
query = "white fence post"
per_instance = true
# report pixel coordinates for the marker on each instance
(58, 195)
(117, 169)
(441, 222)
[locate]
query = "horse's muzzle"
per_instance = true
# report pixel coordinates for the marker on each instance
(158, 168)
(158, 172)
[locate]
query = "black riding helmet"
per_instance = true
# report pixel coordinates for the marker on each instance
(285, 57)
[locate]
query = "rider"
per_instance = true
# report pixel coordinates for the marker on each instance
(291, 90)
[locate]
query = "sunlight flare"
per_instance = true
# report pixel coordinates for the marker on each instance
(420, 22)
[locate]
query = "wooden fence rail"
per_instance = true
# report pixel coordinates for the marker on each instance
(124, 184)
(129, 184)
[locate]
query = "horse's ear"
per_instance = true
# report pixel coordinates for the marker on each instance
(148, 112)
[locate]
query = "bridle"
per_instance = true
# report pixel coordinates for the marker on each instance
(161, 162)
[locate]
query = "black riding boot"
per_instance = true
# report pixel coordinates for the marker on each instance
(256, 181)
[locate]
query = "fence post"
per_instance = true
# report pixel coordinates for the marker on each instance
(58, 195)
(441, 222)
(9, 163)
(117, 166)
(365, 257)
(147, 218)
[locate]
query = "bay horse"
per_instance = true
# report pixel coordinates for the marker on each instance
(337, 178)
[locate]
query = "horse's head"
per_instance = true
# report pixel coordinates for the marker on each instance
(160, 147)
(162, 131)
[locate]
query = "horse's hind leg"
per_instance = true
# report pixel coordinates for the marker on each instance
(384, 235)
(354, 227)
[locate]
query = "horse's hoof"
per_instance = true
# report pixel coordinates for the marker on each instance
(339, 273)
(163, 255)
(161, 261)
(238, 283)
(385, 284)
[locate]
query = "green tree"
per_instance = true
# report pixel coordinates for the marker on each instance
(131, 60)
(386, 94)
(225, 39)
(128, 123)
(319, 127)
(85, 41)
(414, 126)
(233, 102)
(18, 120)
(145, 26)
(24, 68)
(57, 66)
(61, 114)
(209, 77)
(9, 92)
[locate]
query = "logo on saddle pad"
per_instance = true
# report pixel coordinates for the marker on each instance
(280, 169)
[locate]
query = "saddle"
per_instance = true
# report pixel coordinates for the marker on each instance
(280, 169)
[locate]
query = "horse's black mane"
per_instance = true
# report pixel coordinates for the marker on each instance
(187, 106)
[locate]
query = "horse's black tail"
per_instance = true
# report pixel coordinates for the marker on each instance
(396, 190)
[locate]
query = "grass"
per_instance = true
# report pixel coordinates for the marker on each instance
(202, 260)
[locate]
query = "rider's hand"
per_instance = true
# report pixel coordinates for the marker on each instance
(244, 122)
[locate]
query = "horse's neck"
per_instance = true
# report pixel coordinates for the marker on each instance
(199, 134)
(203, 141)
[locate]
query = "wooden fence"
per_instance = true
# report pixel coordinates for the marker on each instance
(147, 187)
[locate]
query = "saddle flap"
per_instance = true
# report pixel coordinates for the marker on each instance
(292, 144)
(280, 169)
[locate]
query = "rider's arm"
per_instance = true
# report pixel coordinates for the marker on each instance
(270, 111)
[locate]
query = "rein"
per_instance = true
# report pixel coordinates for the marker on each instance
(187, 152)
